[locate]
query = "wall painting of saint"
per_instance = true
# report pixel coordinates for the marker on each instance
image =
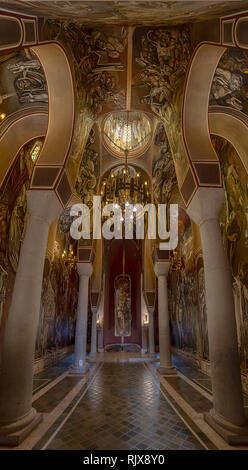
(123, 305)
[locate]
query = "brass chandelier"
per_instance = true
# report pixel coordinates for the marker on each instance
(124, 185)
(127, 134)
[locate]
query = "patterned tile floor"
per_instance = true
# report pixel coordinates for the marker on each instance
(47, 375)
(123, 408)
(197, 376)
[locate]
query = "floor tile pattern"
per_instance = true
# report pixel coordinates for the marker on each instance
(190, 395)
(124, 409)
(51, 373)
(47, 402)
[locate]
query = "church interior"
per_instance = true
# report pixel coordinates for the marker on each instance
(116, 342)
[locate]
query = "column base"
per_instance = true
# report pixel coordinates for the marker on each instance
(92, 357)
(232, 434)
(101, 350)
(79, 370)
(167, 370)
(14, 433)
(152, 355)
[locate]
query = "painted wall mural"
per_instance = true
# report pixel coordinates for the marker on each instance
(22, 82)
(60, 278)
(230, 83)
(59, 296)
(98, 61)
(89, 170)
(160, 61)
(13, 218)
(187, 304)
(164, 178)
(131, 310)
(123, 315)
(99, 58)
(186, 279)
(234, 226)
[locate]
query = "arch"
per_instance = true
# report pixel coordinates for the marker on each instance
(21, 131)
(232, 128)
(61, 103)
(200, 120)
(196, 102)
(57, 127)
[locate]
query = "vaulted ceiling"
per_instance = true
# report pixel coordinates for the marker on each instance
(130, 12)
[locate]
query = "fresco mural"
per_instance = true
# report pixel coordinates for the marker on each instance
(60, 281)
(230, 83)
(99, 58)
(123, 315)
(160, 61)
(22, 83)
(186, 278)
(13, 218)
(187, 294)
(59, 294)
(119, 11)
(164, 178)
(234, 226)
(89, 170)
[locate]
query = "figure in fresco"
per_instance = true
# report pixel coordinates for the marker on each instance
(4, 224)
(203, 313)
(47, 315)
(30, 82)
(230, 83)
(3, 289)
(88, 174)
(94, 55)
(187, 294)
(234, 214)
(164, 58)
(123, 306)
(234, 226)
(240, 292)
(13, 217)
(16, 228)
(163, 171)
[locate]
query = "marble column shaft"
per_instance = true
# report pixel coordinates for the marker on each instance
(80, 350)
(18, 347)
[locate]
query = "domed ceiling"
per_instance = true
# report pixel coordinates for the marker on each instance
(128, 132)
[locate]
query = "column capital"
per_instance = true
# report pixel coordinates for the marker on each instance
(84, 269)
(206, 204)
(150, 310)
(161, 268)
(94, 310)
(44, 204)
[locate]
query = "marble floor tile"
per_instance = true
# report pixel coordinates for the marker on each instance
(124, 409)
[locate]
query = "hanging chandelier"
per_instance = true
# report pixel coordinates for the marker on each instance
(126, 134)
(124, 186)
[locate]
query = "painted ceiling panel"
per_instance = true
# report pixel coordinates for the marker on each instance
(137, 12)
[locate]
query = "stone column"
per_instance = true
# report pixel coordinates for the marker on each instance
(144, 325)
(17, 417)
(80, 366)
(227, 415)
(161, 271)
(100, 346)
(152, 353)
(93, 346)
